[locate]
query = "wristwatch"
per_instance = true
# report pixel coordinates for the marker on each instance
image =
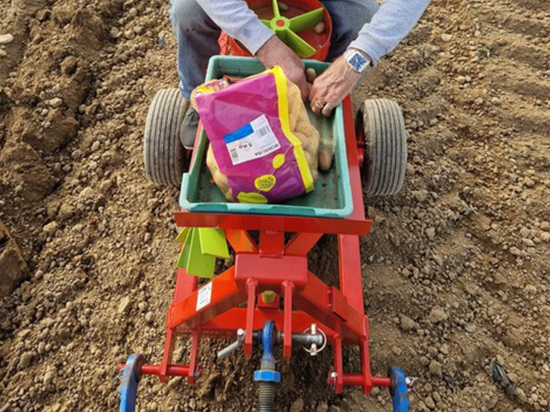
(357, 60)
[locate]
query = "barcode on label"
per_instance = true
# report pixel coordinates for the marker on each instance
(262, 131)
(252, 141)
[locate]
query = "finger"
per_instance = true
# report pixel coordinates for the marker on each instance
(305, 91)
(327, 109)
(318, 103)
(313, 93)
(316, 96)
(302, 84)
(315, 108)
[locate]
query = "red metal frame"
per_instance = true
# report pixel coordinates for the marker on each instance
(281, 267)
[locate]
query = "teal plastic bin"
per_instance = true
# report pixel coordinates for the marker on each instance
(332, 194)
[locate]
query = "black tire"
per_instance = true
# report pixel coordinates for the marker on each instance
(163, 153)
(385, 137)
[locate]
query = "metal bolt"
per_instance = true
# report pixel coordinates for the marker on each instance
(313, 345)
(240, 334)
(234, 346)
(315, 333)
(334, 375)
(409, 381)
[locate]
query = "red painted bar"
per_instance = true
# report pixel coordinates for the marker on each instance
(272, 243)
(302, 243)
(338, 382)
(185, 285)
(225, 294)
(351, 279)
(167, 354)
(194, 356)
(173, 370)
(271, 271)
(381, 381)
(314, 298)
(287, 344)
(353, 162)
(251, 285)
(275, 223)
(365, 360)
(358, 380)
(229, 322)
(241, 241)
(348, 246)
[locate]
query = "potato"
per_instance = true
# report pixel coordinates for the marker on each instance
(326, 150)
(325, 160)
(282, 6)
(311, 75)
(319, 28)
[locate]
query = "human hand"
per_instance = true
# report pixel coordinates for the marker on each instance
(275, 53)
(330, 88)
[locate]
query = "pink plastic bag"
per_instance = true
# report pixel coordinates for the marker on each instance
(247, 124)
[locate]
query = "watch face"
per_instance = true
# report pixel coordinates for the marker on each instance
(358, 61)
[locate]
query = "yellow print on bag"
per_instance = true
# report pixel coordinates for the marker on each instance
(265, 183)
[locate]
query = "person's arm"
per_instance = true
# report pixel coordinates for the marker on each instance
(393, 21)
(236, 19)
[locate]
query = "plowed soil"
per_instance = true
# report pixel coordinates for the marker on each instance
(456, 269)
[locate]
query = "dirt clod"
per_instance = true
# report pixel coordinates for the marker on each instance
(55, 102)
(436, 369)
(297, 406)
(407, 323)
(6, 38)
(420, 195)
(13, 267)
(437, 315)
(124, 305)
(25, 360)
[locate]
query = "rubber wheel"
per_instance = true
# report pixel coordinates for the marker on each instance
(163, 153)
(381, 125)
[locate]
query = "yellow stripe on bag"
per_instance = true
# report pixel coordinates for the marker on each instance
(280, 83)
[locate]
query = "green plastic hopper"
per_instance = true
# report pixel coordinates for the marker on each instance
(286, 28)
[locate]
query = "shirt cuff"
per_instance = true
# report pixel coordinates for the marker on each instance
(253, 35)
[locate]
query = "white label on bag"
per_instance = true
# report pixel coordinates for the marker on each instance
(252, 141)
(204, 296)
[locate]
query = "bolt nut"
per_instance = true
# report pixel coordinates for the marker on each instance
(267, 375)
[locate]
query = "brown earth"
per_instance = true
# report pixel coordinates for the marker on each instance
(456, 270)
